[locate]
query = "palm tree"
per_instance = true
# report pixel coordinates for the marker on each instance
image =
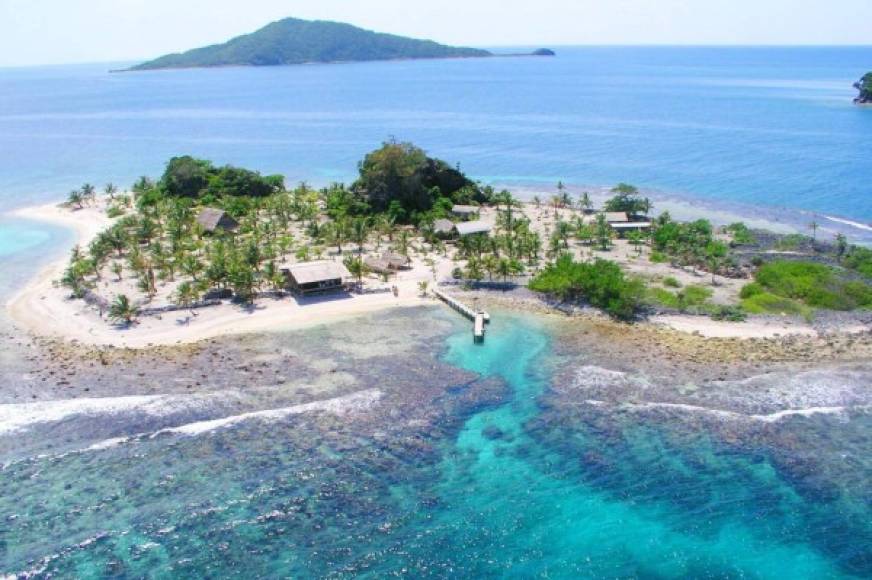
(841, 245)
(75, 199)
(110, 190)
(603, 232)
(635, 239)
(88, 192)
(187, 295)
(813, 226)
(357, 267)
(422, 288)
(403, 243)
(122, 310)
(563, 230)
(339, 232)
(360, 232)
(585, 203)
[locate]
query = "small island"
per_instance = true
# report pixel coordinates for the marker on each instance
(544, 52)
(295, 41)
(239, 252)
(864, 85)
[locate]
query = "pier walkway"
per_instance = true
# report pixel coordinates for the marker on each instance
(479, 319)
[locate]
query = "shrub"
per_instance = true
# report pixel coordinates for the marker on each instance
(741, 234)
(766, 303)
(601, 283)
(696, 295)
(671, 282)
(859, 259)
(728, 313)
(749, 290)
(791, 242)
(814, 284)
(658, 257)
(662, 297)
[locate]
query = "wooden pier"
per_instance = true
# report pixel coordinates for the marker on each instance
(479, 318)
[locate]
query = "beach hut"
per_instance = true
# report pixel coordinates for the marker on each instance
(308, 278)
(396, 261)
(616, 217)
(443, 228)
(623, 228)
(388, 263)
(471, 228)
(465, 211)
(213, 220)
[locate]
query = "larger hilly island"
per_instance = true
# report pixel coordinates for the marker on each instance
(294, 41)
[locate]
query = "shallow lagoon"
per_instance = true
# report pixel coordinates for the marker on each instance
(469, 463)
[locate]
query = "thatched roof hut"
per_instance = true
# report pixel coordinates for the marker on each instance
(465, 211)
(212, 220)
(314, 277)
(443, 227)
(476, 227)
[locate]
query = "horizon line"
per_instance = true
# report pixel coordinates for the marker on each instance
(486, 47)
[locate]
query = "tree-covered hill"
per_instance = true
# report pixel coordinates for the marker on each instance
(865, 88)
(293, 41)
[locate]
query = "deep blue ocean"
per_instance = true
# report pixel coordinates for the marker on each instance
(771, 126)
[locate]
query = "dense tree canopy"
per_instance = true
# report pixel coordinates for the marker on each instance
(187, 176)
(627, 199)
(401, 175)
(294, 41)
(601, 283)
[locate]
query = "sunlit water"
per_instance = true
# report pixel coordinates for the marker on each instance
(500, 490)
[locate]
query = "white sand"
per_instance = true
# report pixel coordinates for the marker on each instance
(45, 310)
(721, 329)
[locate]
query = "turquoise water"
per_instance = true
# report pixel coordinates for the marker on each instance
(25, 247)
(493, 489)
(768, 126)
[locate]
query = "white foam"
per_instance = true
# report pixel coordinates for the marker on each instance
(770, 418)
(17, 417)
(853, 224)
(339, 405)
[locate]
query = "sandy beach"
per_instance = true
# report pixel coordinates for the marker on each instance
(44, 309)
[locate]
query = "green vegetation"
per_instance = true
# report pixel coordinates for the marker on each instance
(688, 244)
(865, 87)
(293, 41)
(671, 282)
(792, 242)
(794, 287)
(627, 199)
(122, 311)
(399, 178)
(740, 233)
(693, 298)
(601, 283)
(859, 259)
(196, 178)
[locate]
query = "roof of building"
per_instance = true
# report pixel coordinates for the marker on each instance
(465, 209)
(616, 217)
(396, 260)
(311, 272)
(211, 219)
(632, 226)
(443, 226)
(476, 227)
(377, 265)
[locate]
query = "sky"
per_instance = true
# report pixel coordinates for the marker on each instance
(72, 31)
